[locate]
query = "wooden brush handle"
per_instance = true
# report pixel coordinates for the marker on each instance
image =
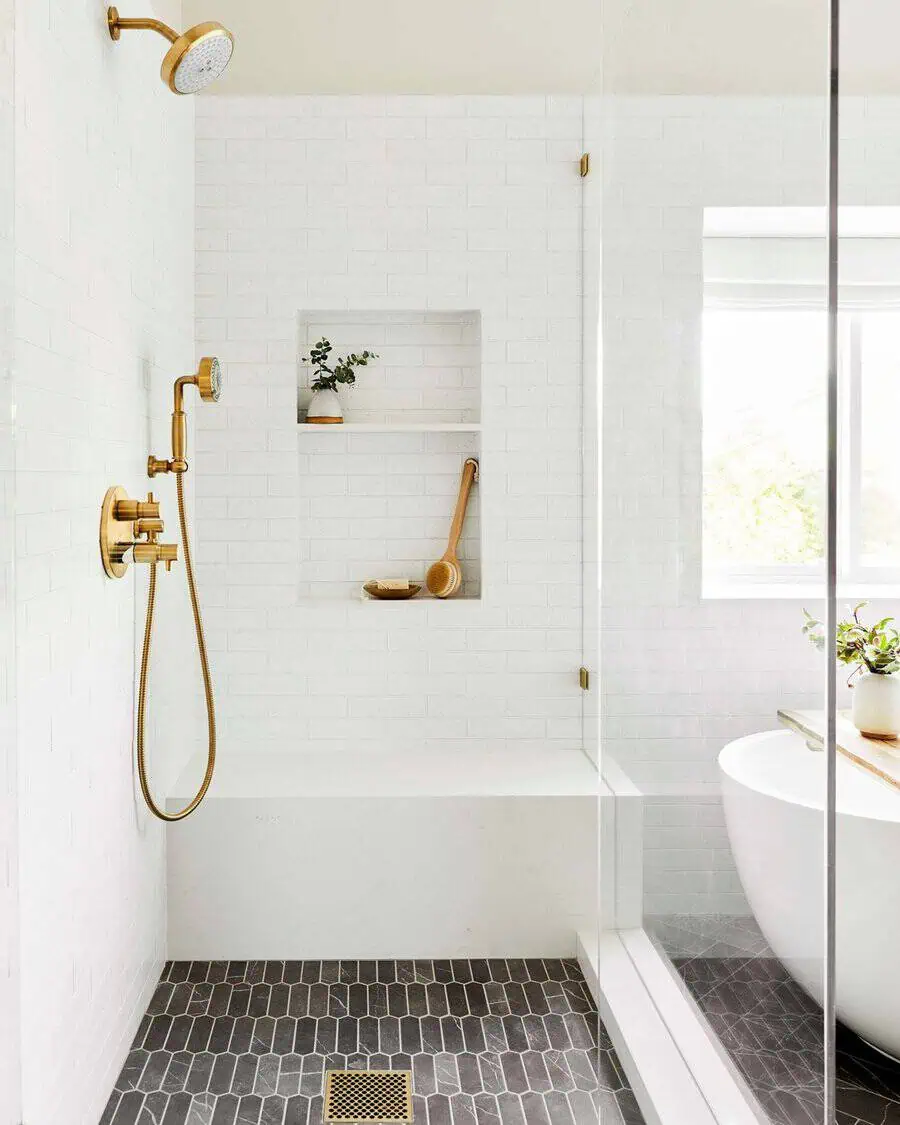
(470, 469)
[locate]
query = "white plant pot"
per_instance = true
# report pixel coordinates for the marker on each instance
(876, 704)
(325, 409)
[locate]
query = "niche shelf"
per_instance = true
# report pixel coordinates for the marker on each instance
(428, 370)
(377, 492)
(422, 598)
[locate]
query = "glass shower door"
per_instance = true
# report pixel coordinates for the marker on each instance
(867, 566)
(714, 500)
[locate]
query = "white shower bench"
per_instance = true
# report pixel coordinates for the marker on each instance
(385, 855)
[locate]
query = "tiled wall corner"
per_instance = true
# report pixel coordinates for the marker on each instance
(103, 323)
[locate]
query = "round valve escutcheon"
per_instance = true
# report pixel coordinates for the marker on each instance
(131, 525)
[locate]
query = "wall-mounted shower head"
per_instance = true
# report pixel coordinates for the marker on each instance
(196, 57)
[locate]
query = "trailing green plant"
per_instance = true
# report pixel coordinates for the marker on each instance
(873, 647)
(326, 378)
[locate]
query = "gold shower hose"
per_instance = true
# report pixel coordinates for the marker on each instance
(204, 665)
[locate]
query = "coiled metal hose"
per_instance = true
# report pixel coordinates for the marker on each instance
(204, 665)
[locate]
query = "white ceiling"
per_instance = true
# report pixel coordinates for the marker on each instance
(551, 46)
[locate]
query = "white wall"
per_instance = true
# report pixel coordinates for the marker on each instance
(682, 676)
(404, 47)
(9, 917)
(385, 204)
(104, 306)
(571, 46)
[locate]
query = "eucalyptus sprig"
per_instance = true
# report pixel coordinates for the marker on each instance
(875, 647)
(327, 378)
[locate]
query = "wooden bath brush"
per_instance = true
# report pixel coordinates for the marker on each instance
(444, 577)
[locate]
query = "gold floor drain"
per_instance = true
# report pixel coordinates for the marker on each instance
(368, 1095)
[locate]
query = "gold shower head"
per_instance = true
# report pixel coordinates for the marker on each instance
(209, 379)
(196, 58)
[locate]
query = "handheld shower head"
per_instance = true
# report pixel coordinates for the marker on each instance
(196, 57)
(208, 381)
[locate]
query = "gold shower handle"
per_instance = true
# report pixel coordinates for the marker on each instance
(208, 381)
(137, 509)
(155, 553)
(178, 464)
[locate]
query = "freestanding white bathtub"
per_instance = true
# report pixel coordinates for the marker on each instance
(774, 788)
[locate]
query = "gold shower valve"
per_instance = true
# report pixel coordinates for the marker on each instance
(131, 525)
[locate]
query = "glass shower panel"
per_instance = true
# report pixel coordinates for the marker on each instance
(9, 970)
(713, 496)
(867, 779)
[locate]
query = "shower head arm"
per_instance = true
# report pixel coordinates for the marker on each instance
(117, 25)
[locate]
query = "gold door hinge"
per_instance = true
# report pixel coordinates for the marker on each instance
(584, 679)
(585, 165)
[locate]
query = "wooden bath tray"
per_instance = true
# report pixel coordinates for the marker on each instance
(878, 756)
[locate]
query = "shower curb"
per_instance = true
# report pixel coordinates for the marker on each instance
(676, 1071)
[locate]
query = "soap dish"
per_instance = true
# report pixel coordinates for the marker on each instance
(376, 591)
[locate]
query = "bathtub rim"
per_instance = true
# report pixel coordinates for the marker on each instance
(860, 796)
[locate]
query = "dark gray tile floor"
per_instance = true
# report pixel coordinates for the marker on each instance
(489, 1042)
(771, 1029)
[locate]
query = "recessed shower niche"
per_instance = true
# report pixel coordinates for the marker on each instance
(377, 492)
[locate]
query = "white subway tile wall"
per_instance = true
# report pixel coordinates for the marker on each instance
(375, 208)
(683, 676)
(104, 322)
(10, 1105)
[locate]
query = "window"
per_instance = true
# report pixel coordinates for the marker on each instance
(764, 362)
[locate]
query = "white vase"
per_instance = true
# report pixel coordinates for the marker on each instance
(876, 704)
(325, 408)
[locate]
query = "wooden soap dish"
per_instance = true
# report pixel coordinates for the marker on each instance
(376, 591)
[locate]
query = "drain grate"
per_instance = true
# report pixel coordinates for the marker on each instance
(368, 1095)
